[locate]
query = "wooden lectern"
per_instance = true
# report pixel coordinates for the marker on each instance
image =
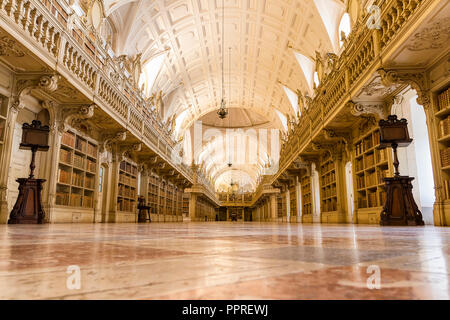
(28, 207)
(400, 208)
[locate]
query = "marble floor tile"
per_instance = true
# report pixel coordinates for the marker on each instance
(223, 261)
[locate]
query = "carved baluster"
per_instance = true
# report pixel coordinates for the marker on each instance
(17, 11)
(50, 42)
(8, 7)
(73, 60)
(24, 20)
(38, 31)
(44, 36)
(32, 21)
(56, 44)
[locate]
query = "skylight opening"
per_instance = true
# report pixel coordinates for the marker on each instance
(293, 99)
(282, 119)
(307, 66)
(150, 73)
(316, 79)
(344, 27)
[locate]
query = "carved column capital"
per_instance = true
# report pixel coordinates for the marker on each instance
(417, 80)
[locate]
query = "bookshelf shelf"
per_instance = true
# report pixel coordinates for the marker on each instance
(306, 195)
(293, 200)
(75, 186)
(372, 165)
(442, 114)
(127, 193)
(328, 199)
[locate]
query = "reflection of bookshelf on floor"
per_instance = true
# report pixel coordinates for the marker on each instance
(75, 178)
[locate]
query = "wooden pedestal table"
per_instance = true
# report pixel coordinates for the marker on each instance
(28, 207)
(143, 211)
(400, 208)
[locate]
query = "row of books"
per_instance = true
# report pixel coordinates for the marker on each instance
(370, 160)
(89, 183)
(444, 127)
(371, 179)
(2, 128)
(127, 180)
(65, 156)
(327, 167)
(362, 202)
(127, 191)
(68, 139)
(78, 161)
(64, 176)
(329, 178)
(329, 205)
(381, 174)
(78, 179)
(445, 157)
(80, 144)
(307, 208)
(372, 199)
(329, 192)
(360, 182)
(91, 166)
(126, 205)
(381, 155)
(92, 150)
(444, 99)
(128, 167)
(368, 143)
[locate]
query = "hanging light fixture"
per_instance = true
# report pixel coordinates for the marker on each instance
(223, 112)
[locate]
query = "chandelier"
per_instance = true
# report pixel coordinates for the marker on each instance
(223, 111)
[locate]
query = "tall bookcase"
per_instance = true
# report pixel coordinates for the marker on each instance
(3, 116)
(281, 205)
(77, 171)
(162, 198)
(153, 194)
(328, 184)
(127, 194)
(185, 204)
(305, 182)
(293, 201)
(370, 166)
(442, 114)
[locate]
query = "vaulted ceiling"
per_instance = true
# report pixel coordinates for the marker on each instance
(260, 35)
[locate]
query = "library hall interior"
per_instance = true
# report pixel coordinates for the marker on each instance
(225, 149)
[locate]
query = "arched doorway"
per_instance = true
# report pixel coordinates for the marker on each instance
(415, 160)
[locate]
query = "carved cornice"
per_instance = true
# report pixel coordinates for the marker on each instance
(73, 115)
(361, 108)
(110, 139)
(417, 81)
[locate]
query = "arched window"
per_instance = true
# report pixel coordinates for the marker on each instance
(316, 79)
(344, 27)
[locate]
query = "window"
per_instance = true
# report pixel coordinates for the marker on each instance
(100, 180)
(344, 27)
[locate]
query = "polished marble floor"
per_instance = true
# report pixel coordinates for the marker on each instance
(223, 261)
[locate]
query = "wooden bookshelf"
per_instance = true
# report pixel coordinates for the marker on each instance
(305, 182)
(127, 193)
(162, 198)
(370, 167)
(153, 193)
(185, 204)
(3, 117)
(442, 114)
(328, 193)
(204, 208)
(77, 171)
(293, 200)
(281, 206)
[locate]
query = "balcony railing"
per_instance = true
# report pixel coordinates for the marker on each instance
(61, 40)
(359, 55)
